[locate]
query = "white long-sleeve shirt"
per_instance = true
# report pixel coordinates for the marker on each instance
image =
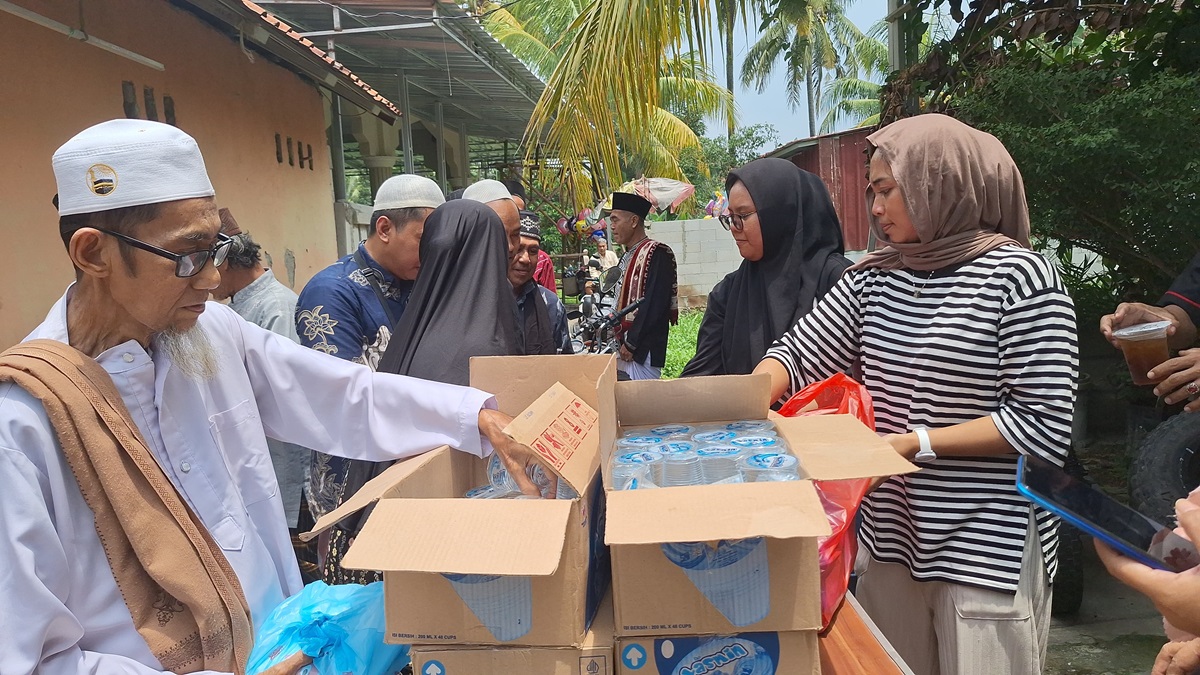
(60, 609)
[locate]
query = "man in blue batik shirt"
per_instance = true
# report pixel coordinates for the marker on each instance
(349, 310)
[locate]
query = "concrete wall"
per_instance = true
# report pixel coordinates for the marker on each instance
(53, 87)
(705, 253)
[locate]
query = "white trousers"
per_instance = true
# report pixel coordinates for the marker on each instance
(940, 628)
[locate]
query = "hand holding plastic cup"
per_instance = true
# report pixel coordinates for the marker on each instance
(1144, 346)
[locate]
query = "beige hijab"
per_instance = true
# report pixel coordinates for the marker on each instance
(963, 191)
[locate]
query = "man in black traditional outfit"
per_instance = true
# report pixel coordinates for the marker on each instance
(647, 274)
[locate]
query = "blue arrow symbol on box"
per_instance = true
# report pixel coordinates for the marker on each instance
(434, 668)
(634, 656)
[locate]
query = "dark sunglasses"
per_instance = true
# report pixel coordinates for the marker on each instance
(186, 264)
(734, 221)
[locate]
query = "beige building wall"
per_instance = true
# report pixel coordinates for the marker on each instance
(53, 87)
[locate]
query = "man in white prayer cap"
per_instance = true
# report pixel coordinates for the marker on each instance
(143, 524)
(499, 199)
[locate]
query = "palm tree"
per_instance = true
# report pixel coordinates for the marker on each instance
(812, 38)
(541, 33)
(598, 102)
(855, 97)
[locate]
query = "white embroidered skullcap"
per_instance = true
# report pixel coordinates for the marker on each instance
(408, 191)
(123, 163)
(487, 190)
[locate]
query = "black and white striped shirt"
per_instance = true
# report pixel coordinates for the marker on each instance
(993, 336)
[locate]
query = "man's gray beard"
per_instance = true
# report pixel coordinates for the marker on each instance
(191, 351)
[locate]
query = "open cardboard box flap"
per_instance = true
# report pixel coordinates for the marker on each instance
(703, 399)
(564, 431)
(711, 512)
(463, 536)
(835, 447)
(375, 489)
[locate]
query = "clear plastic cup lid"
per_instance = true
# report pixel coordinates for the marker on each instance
(755, 441)
(720, 451)
(680, 456)
(1143, 331)
(714, 436)
(771, 460)
(751, 425)
(641, 441)
(671, 447)
(639, 458)
(671, 430)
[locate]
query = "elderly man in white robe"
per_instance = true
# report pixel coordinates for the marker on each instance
(142, 521)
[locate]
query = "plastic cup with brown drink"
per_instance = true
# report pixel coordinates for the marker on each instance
(1144, 346)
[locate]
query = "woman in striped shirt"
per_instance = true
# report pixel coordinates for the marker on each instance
(966, 340)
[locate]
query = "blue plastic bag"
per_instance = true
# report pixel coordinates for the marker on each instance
(340, 627)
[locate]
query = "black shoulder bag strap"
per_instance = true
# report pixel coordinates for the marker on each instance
(372, 277)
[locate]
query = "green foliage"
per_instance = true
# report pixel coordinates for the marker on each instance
(721, 155)
(1109, 165)
(681, 343)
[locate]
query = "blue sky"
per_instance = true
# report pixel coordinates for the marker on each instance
(771, 106)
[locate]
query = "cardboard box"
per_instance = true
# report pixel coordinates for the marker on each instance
(497, 571)
(594, 656)
(792, 653)
(770, 529)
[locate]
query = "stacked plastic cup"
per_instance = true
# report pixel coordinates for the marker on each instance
(487, 492)
(719, 463)
(769, 466)
(638, 442)
(638, 469)
(681, 465)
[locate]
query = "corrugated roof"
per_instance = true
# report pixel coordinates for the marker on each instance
(444, 53)
(257, 27)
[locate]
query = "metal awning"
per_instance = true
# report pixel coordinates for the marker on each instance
(244, 22)
(444, 54)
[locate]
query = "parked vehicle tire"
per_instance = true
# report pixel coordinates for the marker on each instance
(1166, 467)
(1068, 580)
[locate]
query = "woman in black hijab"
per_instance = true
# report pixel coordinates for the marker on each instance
(462, 304)
(788, 232)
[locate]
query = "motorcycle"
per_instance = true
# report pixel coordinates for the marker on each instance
(598, 334)
(594, 294)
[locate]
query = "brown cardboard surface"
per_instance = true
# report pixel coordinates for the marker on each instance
(564, 431)
(518, 381)
(384, 485)
(421, 528)
(464, 536)
(594, 656)
(654, 596)
(797, 654)
(833, 447)
(697, 399)
(711, 512)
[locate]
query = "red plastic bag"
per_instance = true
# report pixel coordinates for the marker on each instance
(839, 395)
